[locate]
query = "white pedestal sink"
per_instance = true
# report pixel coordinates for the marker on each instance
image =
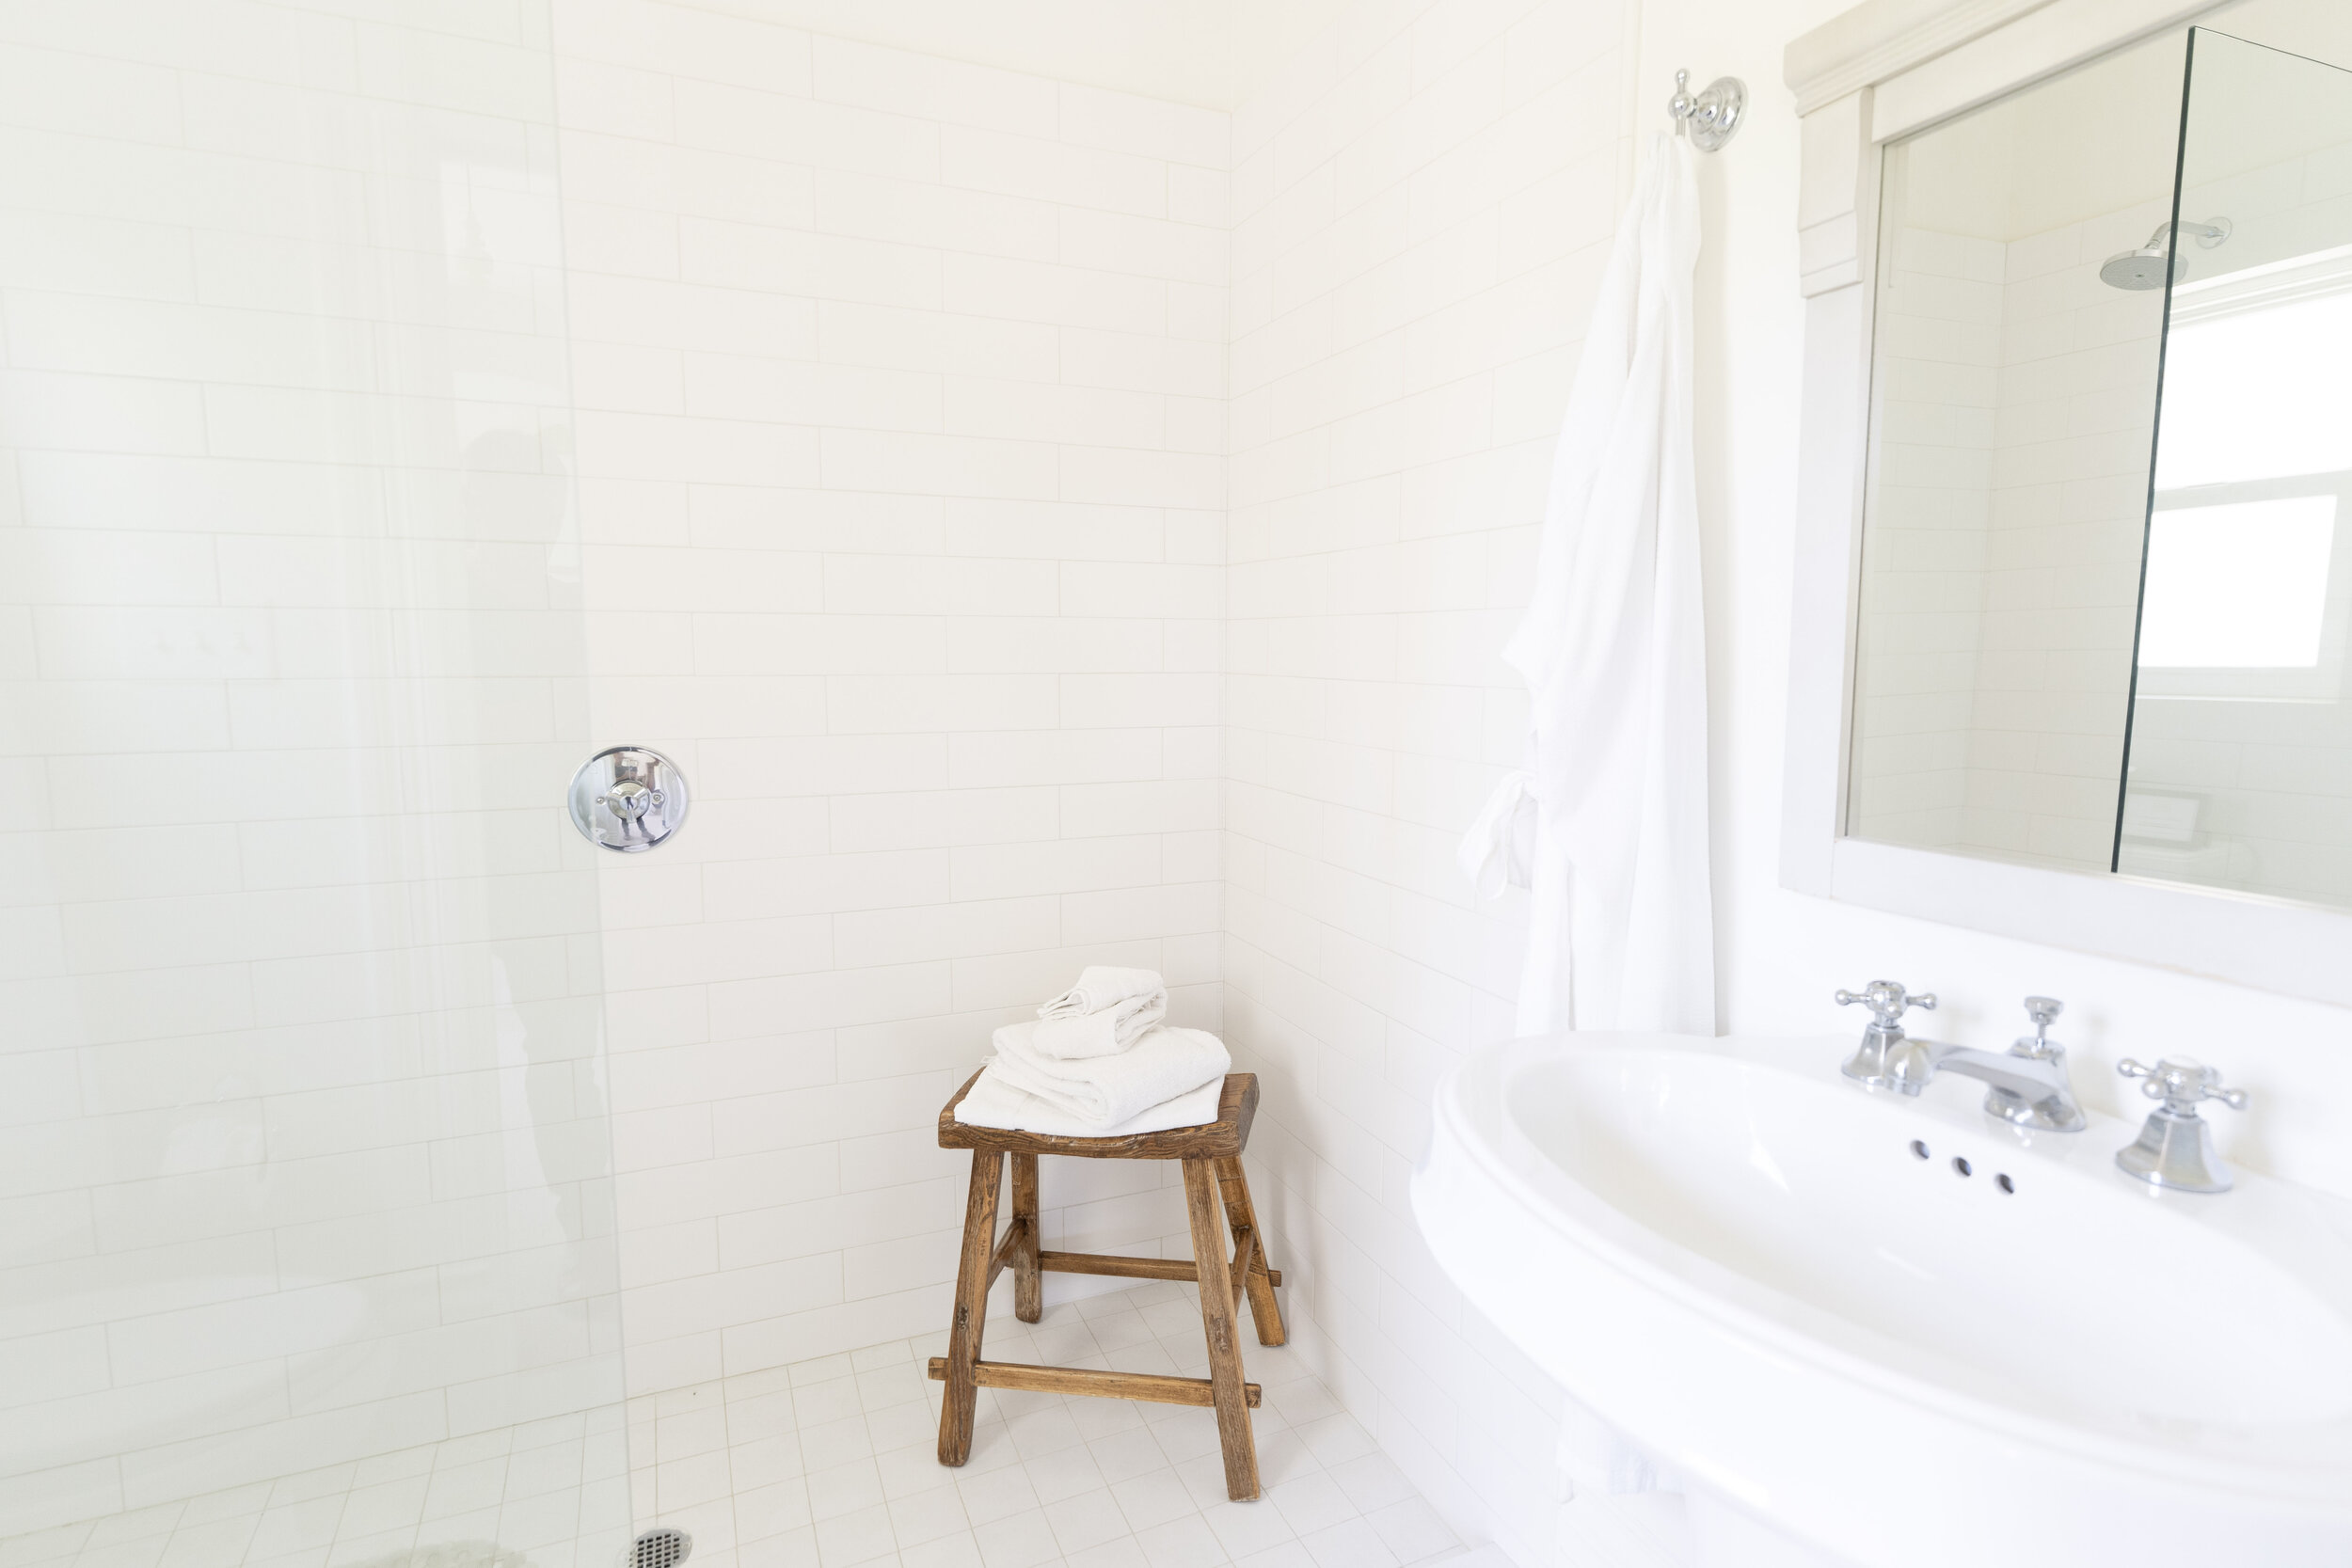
(1745, 1263)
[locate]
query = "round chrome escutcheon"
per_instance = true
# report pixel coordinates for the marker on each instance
(628, 798)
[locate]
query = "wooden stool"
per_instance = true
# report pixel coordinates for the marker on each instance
(1211, 1160)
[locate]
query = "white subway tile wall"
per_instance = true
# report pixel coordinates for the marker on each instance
(308, 1156)
(1423, 200)
(1937, 402)
(902, 390)
(2076, 423)
(2001, 568)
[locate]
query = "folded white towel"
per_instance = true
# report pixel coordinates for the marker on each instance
(1101, 985)
(1104, 1091)
(1071, 1036)
(995, 1102)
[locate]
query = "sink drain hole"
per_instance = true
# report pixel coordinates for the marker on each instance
(1918, 1150)
(2003, 1182)
(1962, 1166)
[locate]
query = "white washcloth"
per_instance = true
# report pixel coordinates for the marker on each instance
(994, 1102)
(1073, 1036)
(1102, 984)
(1104, 1091)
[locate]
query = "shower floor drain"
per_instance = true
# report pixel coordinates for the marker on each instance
(658, 1548)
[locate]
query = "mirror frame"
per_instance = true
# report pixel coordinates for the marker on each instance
(1879, 71)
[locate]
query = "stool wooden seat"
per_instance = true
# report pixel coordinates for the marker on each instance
(1213, 1181)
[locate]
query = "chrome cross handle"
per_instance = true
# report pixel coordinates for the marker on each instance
(2175, 1146)
(2183, 1083)
(1886, 1058)
(1887, 1001)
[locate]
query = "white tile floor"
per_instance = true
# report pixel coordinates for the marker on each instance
(551, 1494)
(833, 1463)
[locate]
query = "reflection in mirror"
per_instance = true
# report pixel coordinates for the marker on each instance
(2015, 394)
(2240, 762)
(2041, 598)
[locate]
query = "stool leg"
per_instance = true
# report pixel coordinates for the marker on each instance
(1028, 1279)
(1217, 1319)
(963, 1338)
(1243, 1215)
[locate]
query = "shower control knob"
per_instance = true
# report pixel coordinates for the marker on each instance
(628, 799)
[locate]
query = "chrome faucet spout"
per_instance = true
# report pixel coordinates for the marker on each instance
(2027, 1086)
(2028, 1091)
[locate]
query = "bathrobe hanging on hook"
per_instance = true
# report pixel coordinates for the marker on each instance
(1613, 649)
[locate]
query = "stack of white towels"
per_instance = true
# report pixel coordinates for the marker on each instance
(1097, 1062)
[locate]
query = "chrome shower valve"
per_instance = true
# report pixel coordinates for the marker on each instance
(628, 799)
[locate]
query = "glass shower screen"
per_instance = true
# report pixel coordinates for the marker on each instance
(2239, 761)
(306, 1230)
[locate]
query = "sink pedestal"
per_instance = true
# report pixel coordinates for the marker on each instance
(1676, 1526)
(1726, 1538)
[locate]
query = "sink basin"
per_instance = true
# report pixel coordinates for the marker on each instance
(1899, 1332)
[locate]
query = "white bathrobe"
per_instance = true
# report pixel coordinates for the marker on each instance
(1612, 648)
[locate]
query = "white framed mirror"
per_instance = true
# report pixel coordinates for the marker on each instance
(2073, 602)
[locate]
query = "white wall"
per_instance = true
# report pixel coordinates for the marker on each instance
(1422, 200)
(1377, 1006)
(1180, 50)
(901, 427)
(1917, 662)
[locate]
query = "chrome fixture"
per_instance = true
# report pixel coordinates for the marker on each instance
(2144, 268)
(2025, 1109)
(628, 798)
(2175, 1146)
(1881, 1059)
(1711, 117)
(2028, 1084)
